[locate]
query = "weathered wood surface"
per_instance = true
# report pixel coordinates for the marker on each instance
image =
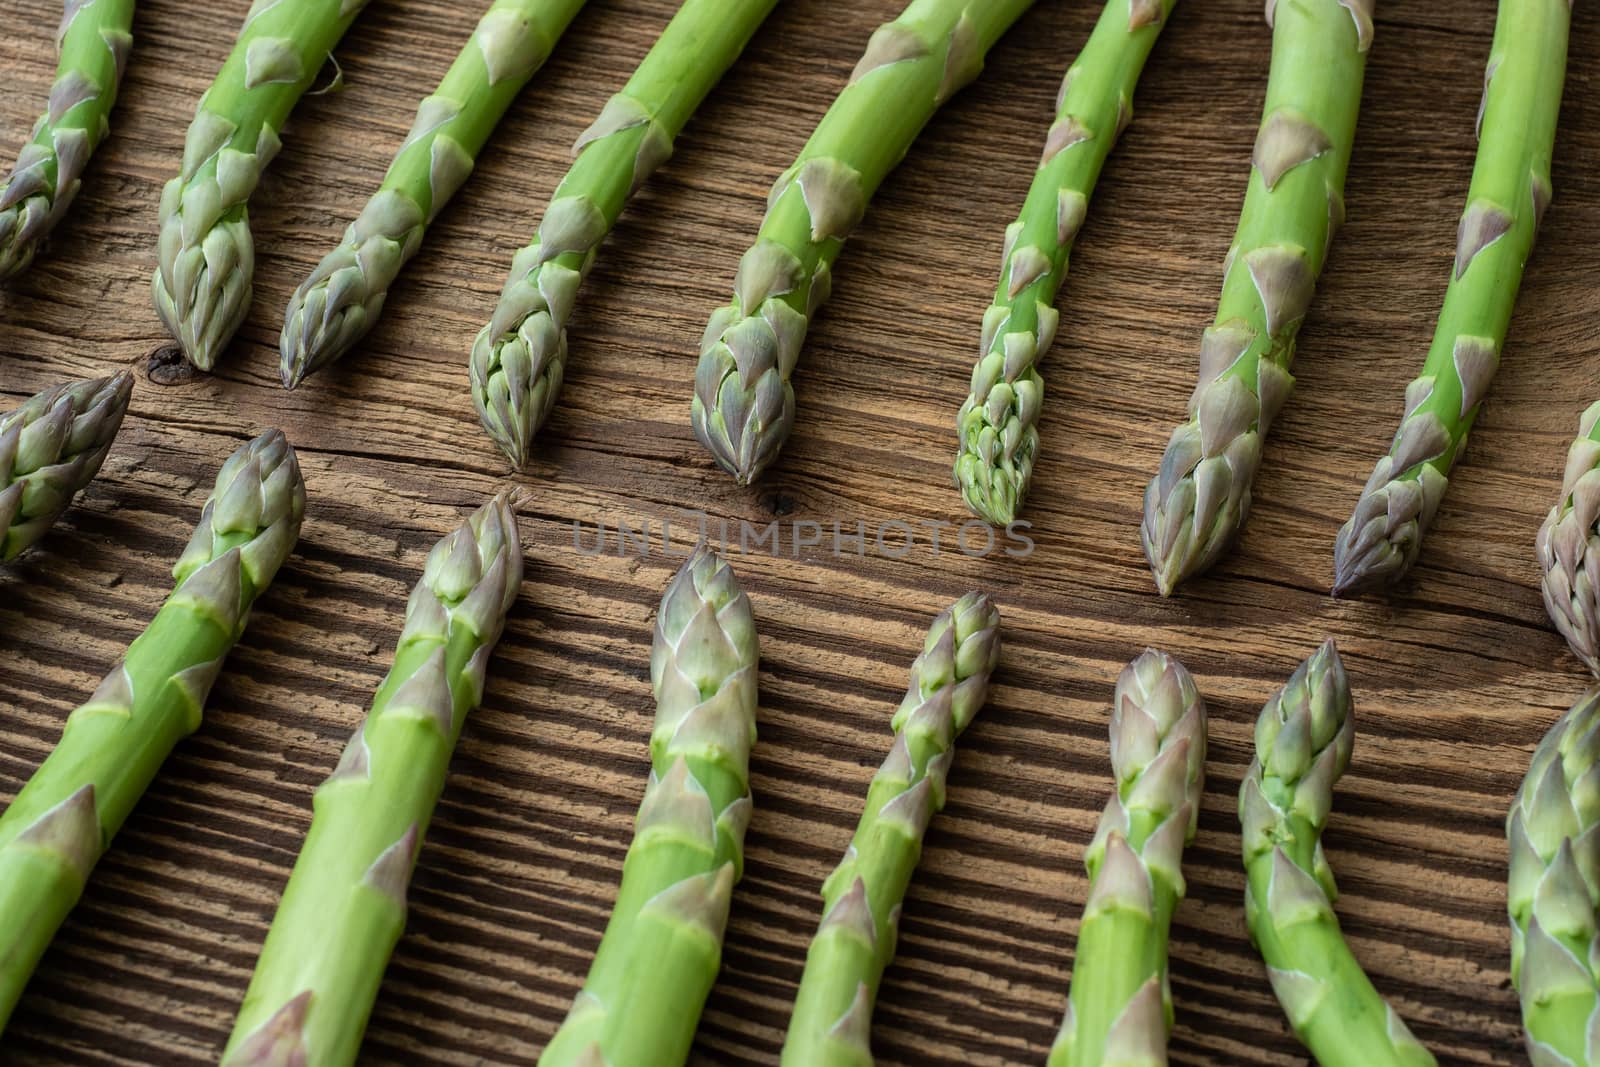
(1457, 675)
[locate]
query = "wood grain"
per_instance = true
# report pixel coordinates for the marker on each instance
(1457, 675)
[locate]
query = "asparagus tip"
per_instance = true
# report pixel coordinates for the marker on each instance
(992, 495)
(293, 367)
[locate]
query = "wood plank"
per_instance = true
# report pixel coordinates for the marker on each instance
(1457, 675)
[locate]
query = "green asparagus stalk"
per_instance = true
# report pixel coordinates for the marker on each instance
(1509, 192)
(998, 424)
(93, 40)
(743, 407)
(662, 948)
(50, 448)
(519, 358)
(345, 905)
(342, 299)
(1120, 1010)
(832, 1021)
(1303, 742)
(1569, 546)
(58, 826)
(205, 257)
(1554, 890)
(1197, 504)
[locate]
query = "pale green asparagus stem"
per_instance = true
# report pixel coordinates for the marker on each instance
(205, 257)
(1303, 742)
(861, 899)
(743, 406)
(50, 448)
(1120, 1010)
(1509, 192)
(345, 906)
(342, 299)
(998, 424)
(56, 829)
(663, 946)
(519, 358)
(1569, 546)
(1197, 504)
(1554, 891)
(94, 41)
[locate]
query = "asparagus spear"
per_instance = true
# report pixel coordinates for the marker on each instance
(743, 407)
(1197, 503)
(1120, 1010)
(1554, 890)
(345, 905)
(998, 424)
(342, 299)
(50, 448)
(93, 40)
(1569, 546)
(58, 826)
(1509, 192)
(663, 946)
(205, 261)
(1303, 742)
(832, 1021)
(519, 358)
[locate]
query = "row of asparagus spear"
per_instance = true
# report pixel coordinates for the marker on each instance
(344, 908)
(743, 405)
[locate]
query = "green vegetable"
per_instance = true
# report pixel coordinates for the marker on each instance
(205, 258)
(50, 448)
(832, 1021)
(998, 424)
(1120, 1010)
(663, 946)
(58, 826)
(519, 358)
(342, 299)
(1554, 889)
(1303, 742)
(345, 905)
(1196, 505)
(93, 40)
(1569, 546)
(743, 407)
(1509, 192)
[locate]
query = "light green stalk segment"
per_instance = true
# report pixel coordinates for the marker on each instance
(520, 357)
(1197, 504)
(1120, 1010)
(998, 424)
(342, 299)
(743, 406)
(1554, 891)
(58, 826)
(94, 41)
(205, 257)
(345, 905)
(1303, 742)
(50, 448)
(662, 948)
(1569, 546)
(861, 899)
(1509, 192)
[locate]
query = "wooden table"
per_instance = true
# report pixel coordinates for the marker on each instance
(1457, 674)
